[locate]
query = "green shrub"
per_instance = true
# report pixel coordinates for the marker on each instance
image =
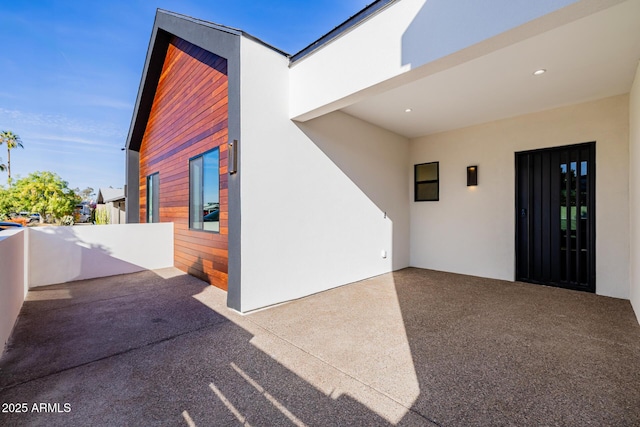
(67, 220)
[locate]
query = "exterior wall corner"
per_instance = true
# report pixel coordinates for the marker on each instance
(634, 193)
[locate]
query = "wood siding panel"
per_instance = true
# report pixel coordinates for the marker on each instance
(188, 117)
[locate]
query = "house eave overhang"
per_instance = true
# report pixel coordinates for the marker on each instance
(150, 76)
(116, 199)
(589, 46)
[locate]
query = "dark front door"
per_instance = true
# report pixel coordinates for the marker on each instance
(555, 216)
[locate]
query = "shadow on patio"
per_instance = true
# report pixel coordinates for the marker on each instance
(414, 347)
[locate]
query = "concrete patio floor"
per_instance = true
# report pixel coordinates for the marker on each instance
(413, 347)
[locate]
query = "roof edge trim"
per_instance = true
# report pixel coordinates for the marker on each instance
(226, 29)
(364, 14)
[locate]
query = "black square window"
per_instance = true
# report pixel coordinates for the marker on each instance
(427, 184)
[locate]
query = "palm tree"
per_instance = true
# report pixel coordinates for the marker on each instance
(12, 140)
(3, 167)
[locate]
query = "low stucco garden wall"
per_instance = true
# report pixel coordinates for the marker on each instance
(32, 257)
(13, 279)
(65, 254)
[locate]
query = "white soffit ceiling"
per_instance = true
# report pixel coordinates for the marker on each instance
(591, 58)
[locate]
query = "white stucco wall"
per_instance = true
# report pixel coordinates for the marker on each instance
(13, 280)
(313, 197)
(634, 193)
(65, 254)
(471, 229)
(405, 36)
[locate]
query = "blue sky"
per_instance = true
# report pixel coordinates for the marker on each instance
(71, 69)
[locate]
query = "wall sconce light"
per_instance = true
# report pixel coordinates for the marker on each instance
(233, 157)
(472, 176)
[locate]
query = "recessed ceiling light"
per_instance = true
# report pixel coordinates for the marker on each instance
(539, 72)
(408, 110)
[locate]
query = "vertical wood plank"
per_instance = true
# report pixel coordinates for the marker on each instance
(189, 116)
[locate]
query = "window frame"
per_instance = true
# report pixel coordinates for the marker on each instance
(154, 207)
(189, 221)
(428, 181)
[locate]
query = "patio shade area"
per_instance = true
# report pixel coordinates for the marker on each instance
(412, 347)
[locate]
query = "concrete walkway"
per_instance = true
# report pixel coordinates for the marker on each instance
(414, 347)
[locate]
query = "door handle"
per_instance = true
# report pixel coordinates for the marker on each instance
(523, 213)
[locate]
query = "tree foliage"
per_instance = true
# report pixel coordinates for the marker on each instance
(85, 194)
(42, 192)
(7, 203)
(12, 141)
